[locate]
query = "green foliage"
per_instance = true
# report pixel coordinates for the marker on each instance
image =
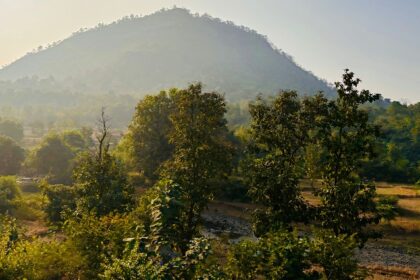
(35, 259)
(12, 156)
(101, 185)
(335, 255)
(147, 138)
(9, 191)
(278, 135)
(11, 129)
(387, 206)
(347, 139)
(279, 255)
(61, 201)
(398, 160)
(98, 239)
(101, 181)
(52, 158)
(201, 150)
(140, 261)
(77, 140)
(167, 213)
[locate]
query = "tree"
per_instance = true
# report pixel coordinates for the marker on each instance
(9, 190)
(100, 179)
(347, 201)
(75, 139)
(279, 131)
(12, 156)
(155, 252)
(201, 151)
(148, 134)
(11, 129)
(52, 158)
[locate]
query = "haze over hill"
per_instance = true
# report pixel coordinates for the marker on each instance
(170, 48)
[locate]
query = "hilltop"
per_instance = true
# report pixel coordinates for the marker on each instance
(170, 48)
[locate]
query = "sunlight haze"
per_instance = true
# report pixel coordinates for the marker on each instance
(376, 39)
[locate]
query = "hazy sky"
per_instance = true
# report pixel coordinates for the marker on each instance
(377, 39)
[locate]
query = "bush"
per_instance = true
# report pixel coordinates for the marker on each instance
(388, 207)
(9, 191)
(38, 259)
(280, 255)
(98, 238)
(335, 255)
(145, 261)
(61, 199)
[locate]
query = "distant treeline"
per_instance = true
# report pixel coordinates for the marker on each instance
(44, 104)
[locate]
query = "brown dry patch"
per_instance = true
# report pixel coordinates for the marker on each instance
(34, 228)
(398, 190)
(379, 272)
(311, 198)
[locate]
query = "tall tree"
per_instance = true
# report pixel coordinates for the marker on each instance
(100, 180)
(347, 201)
(148, 134)
(201, 151)
(279, 132)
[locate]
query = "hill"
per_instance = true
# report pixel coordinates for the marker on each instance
(138, 55)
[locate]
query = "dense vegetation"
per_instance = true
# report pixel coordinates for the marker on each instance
(131, 212)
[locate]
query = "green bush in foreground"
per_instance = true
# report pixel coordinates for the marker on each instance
(285, 255)
(35, 259)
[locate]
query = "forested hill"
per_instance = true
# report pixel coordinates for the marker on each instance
(170, 48)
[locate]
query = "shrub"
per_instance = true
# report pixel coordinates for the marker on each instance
(98, 238)
(279, 255)
(335, 255)
(61, 199)
(9, 190)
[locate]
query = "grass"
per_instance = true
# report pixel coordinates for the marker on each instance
(28, 207)
(379, 272)
(28, 211)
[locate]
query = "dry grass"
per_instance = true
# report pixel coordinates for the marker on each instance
(379, 272)
(400, 191)
(409, 218)
(402, 232)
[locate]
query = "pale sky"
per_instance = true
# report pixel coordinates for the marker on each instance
(377, 39)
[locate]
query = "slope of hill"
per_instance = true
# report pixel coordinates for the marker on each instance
(138, 55)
